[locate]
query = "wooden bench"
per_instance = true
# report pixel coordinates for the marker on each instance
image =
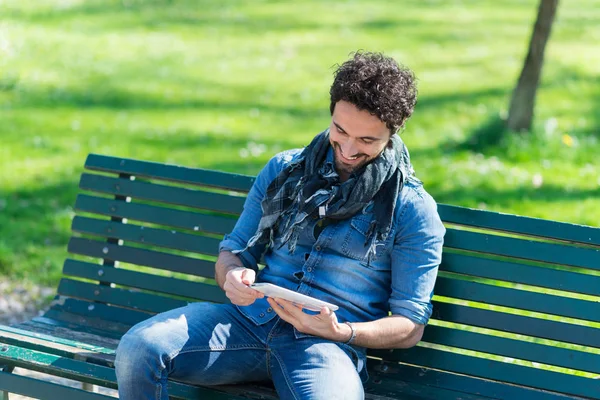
(514, 294)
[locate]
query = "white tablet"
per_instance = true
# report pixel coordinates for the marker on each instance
(310, 303)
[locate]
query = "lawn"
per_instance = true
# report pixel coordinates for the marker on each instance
(225, 85)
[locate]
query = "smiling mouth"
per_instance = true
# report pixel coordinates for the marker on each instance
(350, 159)
(347, 160)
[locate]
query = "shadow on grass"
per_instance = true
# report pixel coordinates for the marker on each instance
(32, 226)
(484, 138)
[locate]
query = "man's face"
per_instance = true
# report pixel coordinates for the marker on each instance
(356, 136)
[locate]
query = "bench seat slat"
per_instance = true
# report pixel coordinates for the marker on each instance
(39, 389)
(519, 324)
(521, 248)
(57, 318)
(57, 345)
(161, 193)
(519, 224)
(155, 215)
(173, 173)
(95, 374)
(145, 235)
(513, 348)
(144, 257)
(518, 299)
(521, 273)
(155, 283)
(500, 371)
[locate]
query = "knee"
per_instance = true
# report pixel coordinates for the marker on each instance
(131, 349)
(135, 352)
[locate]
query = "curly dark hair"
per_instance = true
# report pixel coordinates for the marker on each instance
(378, 84)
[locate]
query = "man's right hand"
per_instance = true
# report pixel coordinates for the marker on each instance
(237, 282)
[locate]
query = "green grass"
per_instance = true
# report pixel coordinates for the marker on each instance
(225, 85)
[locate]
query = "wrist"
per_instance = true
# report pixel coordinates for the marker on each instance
(348, 333)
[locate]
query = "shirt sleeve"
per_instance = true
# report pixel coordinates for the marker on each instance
(247, 223)
(416, 256)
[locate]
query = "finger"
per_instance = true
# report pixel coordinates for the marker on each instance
(233, 293)
(244, 290)
(248, 276)
(281, 312)
(292, 309)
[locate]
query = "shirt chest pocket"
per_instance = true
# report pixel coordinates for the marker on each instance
(356, 246)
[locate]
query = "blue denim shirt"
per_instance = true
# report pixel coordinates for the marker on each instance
(333, 266)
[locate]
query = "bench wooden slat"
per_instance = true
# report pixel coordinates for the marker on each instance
(519, 324)
(457, 382)
(39, 389)
(59, 319)
(163, 194)
(519, 224)
(116, 319)
(145, 235)
(155, 283)
(129, 298)
(513, 348)
(518, 299)
(147, 169)
(500, 371)
(526, 249)
(520, 273)
(57, 365)
(148, 258)
(95, 374)
(390, 386)
(59, 346)
(156, 215)
(117, 296)
(123, 318)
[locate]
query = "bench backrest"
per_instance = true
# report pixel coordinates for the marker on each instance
(517, 299)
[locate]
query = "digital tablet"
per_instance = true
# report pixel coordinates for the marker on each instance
(310, 303)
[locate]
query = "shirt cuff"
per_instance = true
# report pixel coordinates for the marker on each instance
(417, 312)
(229, 244)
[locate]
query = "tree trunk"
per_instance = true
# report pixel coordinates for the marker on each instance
(520, 113)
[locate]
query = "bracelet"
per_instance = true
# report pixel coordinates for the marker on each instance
(353, 334)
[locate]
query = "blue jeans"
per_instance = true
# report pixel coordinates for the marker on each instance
(214, 344)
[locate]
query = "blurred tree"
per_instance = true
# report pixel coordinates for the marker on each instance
(520, 113)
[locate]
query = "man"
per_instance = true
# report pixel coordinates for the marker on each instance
(343, 220)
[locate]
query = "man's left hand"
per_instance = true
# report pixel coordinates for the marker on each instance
(324, 324)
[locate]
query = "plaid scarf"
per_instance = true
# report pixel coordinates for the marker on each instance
(310, 187)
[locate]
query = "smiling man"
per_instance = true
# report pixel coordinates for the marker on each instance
(343, 220)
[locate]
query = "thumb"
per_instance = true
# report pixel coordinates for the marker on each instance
(248, 276)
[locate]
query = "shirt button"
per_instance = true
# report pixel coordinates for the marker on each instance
(309, 269)
(262, 314)
(318, 248)
(269, 309)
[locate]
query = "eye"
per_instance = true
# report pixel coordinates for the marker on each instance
(368, 141)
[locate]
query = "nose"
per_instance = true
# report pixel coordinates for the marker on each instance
(348, 148)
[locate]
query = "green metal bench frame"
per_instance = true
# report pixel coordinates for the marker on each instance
(514, 294)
